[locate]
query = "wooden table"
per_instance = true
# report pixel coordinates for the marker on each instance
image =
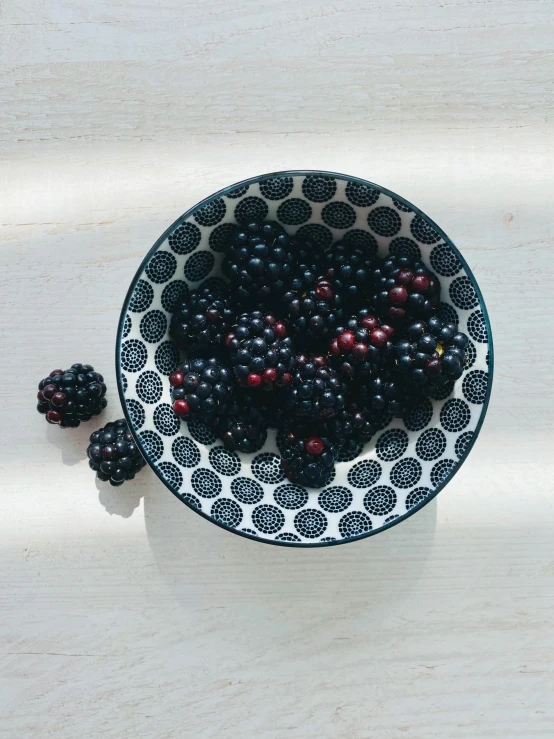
(124, 615)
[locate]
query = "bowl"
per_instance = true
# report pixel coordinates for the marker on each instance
(407, 463)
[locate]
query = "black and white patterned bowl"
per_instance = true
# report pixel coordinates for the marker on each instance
(408, 462)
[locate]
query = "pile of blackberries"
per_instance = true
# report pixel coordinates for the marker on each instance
(324, 346)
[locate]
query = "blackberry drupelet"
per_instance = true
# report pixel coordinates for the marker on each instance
(350, 268)
(313, 314)
(362, 346)
(387, 393)
(352, 426)
(316, 392)
(244, 427)
(307, 459)
(404, 288)
(202, 321)
(202, 389)
(307, 265)
(113, 453)
(258, 262)
(433, 354)
(68, 397)
(260, 351)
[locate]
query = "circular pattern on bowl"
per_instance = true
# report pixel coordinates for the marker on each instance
(407, 462)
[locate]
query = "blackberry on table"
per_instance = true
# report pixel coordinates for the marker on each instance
(404, 288)
(258, 261)
(202, 320)
(313, 313)
(68, 397)
(316, 392)
(202, 389)
(307, 459)
(113, 453)
(433, 354)
(260, 351)
(244, 427)
(362, 345)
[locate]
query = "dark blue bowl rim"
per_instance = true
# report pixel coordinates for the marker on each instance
(348, 178)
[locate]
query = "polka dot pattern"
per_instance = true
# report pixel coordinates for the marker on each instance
(267, 468)
(166, 358)
(224, 461)
(384, 221)
(310, 523)
(361, 195)
(199, 266)
(338, 215)
(185, 239)
(161, 267)
(268, 519)
(371, 486)
(174, 293)
(294, 211)
(462, 293)
(246, 490)
(431, 445)
(423, 231)
(152, 443)
(276, 188)
(251, 209)
(211, 213)
(149, 387)
(441, 471)
(335, 499)
(227, 512)
(153, 326)
(391, 445)
(364, 473)
(444, 261)
(455, 415)
(185, 452)
(290, 496)
(319, 189)
(354, 523)
(380, 500)
(142, 297)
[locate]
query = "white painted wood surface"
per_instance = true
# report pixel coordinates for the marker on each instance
(124, 615)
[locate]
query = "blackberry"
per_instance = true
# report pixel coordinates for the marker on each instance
(433, 354)
(307, 459)
(260, 351)
(244, 427)
(68, 397)
(113, 453)
(314, 313)
(349, 268)
(307, 265)
(404, 288)
(362, 345)
(316, 392)
(202, 389)
(352, 426)
(387, 393)
(258, 261)
(202, 320)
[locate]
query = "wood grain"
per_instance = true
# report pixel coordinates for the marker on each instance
(123, 614)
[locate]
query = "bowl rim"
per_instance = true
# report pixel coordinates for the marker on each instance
(302, 173)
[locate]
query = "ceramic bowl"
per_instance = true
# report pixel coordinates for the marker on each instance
(407, 463)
